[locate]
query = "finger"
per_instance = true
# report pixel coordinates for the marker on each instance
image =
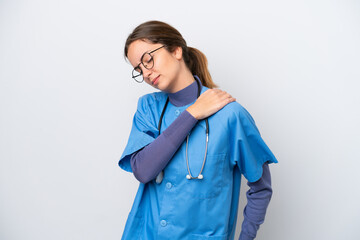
(225, 95)
(227, 101)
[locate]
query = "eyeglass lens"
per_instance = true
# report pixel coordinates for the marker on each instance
(137, 74)
(148, 62)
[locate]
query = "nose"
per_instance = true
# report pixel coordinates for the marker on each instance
(146, 72)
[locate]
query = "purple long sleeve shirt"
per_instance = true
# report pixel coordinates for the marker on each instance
(146, 168)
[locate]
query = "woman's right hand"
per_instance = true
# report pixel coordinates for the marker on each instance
(208, 103)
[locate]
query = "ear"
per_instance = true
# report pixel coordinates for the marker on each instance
(177, 53)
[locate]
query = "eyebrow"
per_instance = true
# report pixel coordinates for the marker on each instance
(138, 66)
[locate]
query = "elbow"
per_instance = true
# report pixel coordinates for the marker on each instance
(267, 192)
(141, 176)
(260, 190)
(270, 193)
(142, 173)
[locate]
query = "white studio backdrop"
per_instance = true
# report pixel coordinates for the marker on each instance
(67, 102)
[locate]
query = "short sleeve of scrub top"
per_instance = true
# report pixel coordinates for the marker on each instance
(143, 132)
(248, 151)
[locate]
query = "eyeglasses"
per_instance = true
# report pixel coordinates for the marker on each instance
(147, 60)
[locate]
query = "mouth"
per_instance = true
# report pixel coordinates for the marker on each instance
(155, 80)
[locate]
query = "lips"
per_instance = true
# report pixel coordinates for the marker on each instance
(155, 80)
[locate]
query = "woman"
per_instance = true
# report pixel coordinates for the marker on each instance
(188, 146)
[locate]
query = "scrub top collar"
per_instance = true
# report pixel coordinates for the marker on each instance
(186, 95)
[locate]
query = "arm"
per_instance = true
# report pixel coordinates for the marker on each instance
(258, 197)
(148, 162)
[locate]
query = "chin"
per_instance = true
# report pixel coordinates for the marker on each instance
(162, 86)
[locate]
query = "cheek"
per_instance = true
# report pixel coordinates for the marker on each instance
(147, 81)
(164, 64)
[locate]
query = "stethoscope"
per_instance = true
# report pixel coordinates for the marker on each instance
(189, 176)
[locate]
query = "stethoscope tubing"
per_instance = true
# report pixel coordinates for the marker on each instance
(189, 175)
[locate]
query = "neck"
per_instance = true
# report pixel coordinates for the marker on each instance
(186, 95)
(184, 79)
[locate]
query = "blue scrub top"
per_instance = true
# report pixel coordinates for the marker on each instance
(179, 208)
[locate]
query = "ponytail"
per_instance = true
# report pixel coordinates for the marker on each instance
(198, 65)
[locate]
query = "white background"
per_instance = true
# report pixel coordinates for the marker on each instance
(67, 101)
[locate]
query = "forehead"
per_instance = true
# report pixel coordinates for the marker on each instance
(137, 49)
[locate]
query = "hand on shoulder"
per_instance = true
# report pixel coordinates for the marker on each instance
(208, 103)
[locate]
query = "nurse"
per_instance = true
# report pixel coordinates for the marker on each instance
(188, 147)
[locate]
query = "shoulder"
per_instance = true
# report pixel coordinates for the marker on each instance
(235, 116)
(231, 110)
(149, 108)
(151, 100)
(235, 110)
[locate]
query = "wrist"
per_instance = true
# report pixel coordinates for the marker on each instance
(192, 112)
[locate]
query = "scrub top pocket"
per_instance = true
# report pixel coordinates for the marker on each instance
(211, 185)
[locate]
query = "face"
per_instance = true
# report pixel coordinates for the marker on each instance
(164, 75)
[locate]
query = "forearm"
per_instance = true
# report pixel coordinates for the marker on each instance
(258, 199)
(148, 162)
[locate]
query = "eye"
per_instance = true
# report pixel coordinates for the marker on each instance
(147, 60)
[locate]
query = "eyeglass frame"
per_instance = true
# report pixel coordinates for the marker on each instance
(141, 62)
